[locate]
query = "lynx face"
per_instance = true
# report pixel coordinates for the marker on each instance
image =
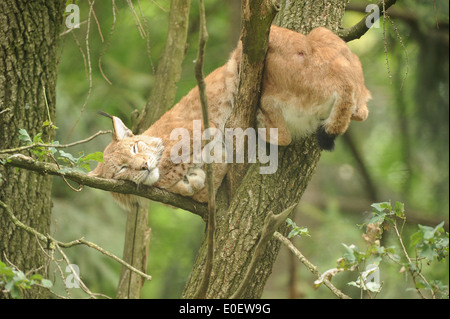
(130, 157)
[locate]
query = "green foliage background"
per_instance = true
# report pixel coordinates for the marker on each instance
(403, 145)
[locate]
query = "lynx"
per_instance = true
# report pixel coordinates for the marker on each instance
(312, 84)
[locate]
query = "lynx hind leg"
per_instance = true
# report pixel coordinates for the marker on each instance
(273, 119)
(192, 182)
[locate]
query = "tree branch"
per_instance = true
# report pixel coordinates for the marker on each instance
(309, 265)
(203, 38)
(52, 243)
(117, 186)
(359, 29)
(257, 17)
(271, 223)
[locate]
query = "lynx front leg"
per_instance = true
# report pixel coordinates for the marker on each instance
(192, 182)
(273, 118)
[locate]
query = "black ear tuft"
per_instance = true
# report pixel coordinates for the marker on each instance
(104, 114)
(325, 140)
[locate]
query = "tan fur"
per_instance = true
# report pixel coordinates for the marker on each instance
(309, 81)
(313, 80)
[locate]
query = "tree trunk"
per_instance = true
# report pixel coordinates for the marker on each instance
(29, 38)
(137, 234)
(239, 224)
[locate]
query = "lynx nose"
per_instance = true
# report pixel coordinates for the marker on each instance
(146, 167)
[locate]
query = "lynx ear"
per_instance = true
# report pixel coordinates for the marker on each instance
(120, 130)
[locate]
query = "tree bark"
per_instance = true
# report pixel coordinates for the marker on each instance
(239, 224)
(29, 38)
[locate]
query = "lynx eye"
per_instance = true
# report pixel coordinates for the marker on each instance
(134, 149)
(122, 169)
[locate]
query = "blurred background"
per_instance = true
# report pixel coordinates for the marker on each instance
(401, 153)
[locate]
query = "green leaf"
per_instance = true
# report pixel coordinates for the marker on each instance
(296, 231)
(23, 136)
(46, 283)
(416, 238)
(67, 156)
(97, 156)
(428, 232)
(377, 218)
(399, 210)
(420, 285)
(37, 138)
(427, 251)
(380, 207)
(19, 276)
(36, 277)
(350, 254)
(289, 222)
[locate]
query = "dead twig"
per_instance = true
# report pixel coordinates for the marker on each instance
(52, 243)
(203, 38)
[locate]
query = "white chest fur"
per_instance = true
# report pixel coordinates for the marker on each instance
(301, 120)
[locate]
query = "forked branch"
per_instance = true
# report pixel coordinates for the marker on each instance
(359, 29)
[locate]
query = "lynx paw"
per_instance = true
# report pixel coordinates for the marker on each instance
(193, 181)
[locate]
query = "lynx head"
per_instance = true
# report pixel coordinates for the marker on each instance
(130, 157)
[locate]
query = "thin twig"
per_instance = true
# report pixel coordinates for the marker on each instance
(203, 38)
(71, 29)
(75, 273)
(399, 37)
(159, 6)
(136, 19)
(111, 31)
(77, 42)
(147, 27)
(385, 43)
(271, 224)
(413, 273)
(26, 147)
(88, 54)
(309, 265)
(98, 26)
(52, 243)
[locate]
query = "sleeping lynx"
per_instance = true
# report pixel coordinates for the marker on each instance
(312, 84)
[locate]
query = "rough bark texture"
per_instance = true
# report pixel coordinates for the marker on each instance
(256, 15)
(239, 224)
(29, 37)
